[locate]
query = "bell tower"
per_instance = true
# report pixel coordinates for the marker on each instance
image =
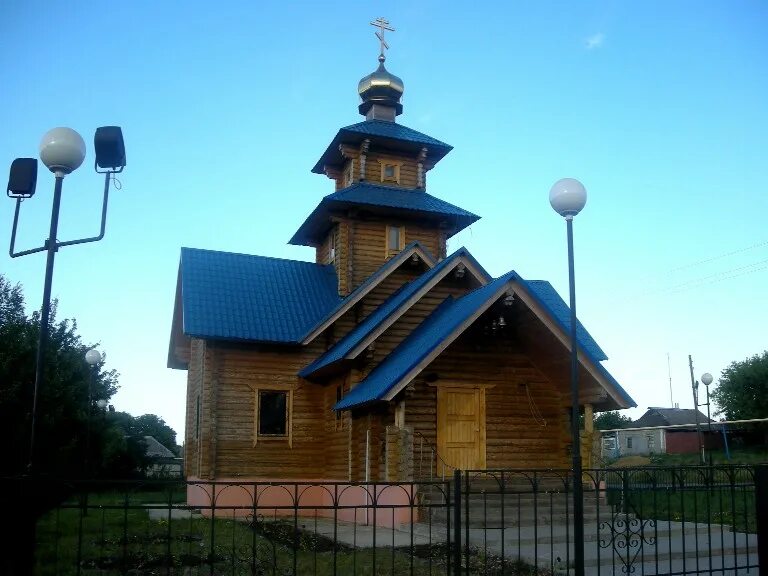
(380, 203)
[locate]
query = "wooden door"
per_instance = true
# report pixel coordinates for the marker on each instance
(461, 427)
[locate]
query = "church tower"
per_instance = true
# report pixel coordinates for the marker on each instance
(380, 203)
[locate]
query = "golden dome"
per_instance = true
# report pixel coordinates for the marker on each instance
(381, 80)
(380, 87)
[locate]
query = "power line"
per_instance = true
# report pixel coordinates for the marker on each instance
(718, 257)
(750, 270)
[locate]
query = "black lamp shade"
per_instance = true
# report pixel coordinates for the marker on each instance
(109, 146)
(23, 178)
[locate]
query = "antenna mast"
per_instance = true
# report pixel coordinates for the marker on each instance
(669, 373)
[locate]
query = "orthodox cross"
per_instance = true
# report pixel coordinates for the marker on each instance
(382, 25)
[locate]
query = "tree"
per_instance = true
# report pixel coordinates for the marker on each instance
(742, 392)
(62, 407)
(612, 420)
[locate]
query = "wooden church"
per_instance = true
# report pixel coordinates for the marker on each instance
(387, 358)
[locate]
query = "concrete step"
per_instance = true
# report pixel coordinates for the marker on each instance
(667, 547)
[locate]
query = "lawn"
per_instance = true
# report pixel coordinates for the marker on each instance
(121, 534)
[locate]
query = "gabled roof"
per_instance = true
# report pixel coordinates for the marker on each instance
(229, 296)
(433, 333)
(349, 346)
(376, 198)
(438, 331)
(155, 449)
(369, 284)
(549, 297)
(385, 133)
(669, 417)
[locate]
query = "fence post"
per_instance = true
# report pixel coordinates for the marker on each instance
(761, 513)
(457, 521)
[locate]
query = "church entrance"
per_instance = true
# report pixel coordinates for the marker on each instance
(461, 426)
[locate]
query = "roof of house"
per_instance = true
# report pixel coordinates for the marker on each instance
(409, 203)
(655, 416)
(427, 337)
(385, 311)
(440, 328)
(549, 297)
(385, 133)
(229, 296)
(372, 281)
(155, 449)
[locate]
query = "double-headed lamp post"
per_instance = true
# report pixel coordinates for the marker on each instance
(62, 150)
(567, 197)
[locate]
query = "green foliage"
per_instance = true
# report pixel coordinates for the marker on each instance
(612, 420)
(62, 409)
(70, 439)
(742, 392)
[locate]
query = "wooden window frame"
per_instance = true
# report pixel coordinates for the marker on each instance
(348, 177)
(288, 417)
(332, 246)
(382, 166)
(401, 241)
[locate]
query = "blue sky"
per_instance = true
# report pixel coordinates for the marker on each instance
(658, 107)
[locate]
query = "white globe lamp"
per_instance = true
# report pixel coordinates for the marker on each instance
(93, 357)
(567, 197)
(62, 150)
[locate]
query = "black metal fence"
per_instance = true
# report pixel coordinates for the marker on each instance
(637, 521)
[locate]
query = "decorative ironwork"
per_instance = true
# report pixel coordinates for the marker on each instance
(627, 537)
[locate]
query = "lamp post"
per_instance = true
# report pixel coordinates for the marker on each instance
(567, 197)
(706, 379)
(92, 358)
(62, 150)
(695, 388)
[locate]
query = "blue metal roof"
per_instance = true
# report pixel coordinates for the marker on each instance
(253, 298)
(419, 344)
(374, 278)
(385, 133)
(405, 202)
(444, 321)
(556, 306)
(390, 306)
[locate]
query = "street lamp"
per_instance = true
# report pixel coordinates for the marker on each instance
(92, 358)
(62, 150)
(567, 197)
(706, 379)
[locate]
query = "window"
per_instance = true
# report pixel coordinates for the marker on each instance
(332, 247)
(273, 413)
(629, 441)
(339, 422)
(395, 239)
(349, 173)
(197, 417)
(651, 442)
(390, 171)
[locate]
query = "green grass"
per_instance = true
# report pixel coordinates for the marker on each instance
(722, 495)
(111, 539)
(738, 456)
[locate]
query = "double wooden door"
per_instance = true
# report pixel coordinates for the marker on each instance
(461, 427)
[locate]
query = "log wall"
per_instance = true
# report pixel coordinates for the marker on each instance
(516, 436)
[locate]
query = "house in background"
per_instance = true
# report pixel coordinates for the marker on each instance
(385, 359)
(661, 431)
(161, 462)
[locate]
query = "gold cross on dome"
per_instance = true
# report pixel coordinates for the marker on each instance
(382, 24)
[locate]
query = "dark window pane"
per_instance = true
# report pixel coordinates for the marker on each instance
(272, 413)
